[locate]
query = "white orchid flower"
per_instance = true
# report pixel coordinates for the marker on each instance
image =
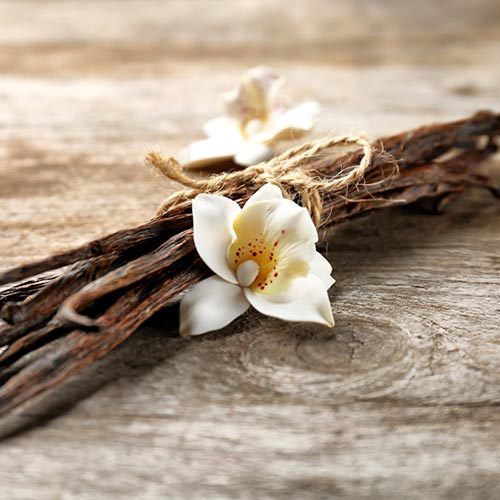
(256, 119)
(263, 255)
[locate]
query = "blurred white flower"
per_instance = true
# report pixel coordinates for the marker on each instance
(256, 119)
(263, 255)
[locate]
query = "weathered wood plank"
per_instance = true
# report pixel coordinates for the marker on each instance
(400, 400)
(147, 33)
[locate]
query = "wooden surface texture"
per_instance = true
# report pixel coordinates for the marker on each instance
(400, 400)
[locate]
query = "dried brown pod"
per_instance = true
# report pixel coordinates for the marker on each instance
(56, 326)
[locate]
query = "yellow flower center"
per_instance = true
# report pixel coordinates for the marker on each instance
(265, 254)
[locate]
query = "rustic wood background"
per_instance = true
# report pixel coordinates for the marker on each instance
(400, 400)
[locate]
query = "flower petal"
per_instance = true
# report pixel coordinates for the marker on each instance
(254, 96)
(302, 116)
(290, 125)
(306, 301)
(206, 152)
(251, 153)
(213, 218)
(209, 305)
(223, 127)
(276, 219)
(265, 193)
(294, 261)
(321, 268)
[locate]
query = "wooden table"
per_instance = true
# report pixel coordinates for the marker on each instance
(400, 400)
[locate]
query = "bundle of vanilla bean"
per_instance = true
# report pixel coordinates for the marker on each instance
(54, 326)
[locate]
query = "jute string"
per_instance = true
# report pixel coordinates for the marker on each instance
(285, 171)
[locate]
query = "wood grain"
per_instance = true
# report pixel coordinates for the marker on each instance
(400, 400)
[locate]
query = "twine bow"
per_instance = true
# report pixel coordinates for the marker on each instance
(285, 171)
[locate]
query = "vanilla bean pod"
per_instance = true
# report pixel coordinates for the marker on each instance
(48, 299)
(141, 268)
(23, 344)
(23, 290)
(141, 274)
(433, 163)
(10, 333)
(38, 308)
(434, 181)
(82, 348)
(126, 239)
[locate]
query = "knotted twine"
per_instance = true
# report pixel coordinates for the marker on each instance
(287, 171)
